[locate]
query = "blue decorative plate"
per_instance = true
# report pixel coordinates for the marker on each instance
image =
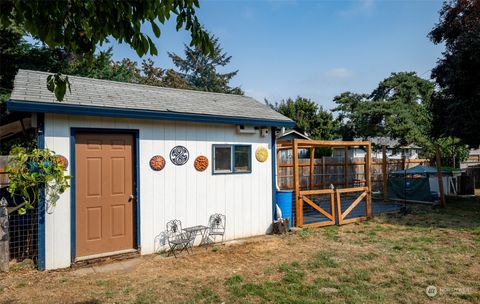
(179, 155)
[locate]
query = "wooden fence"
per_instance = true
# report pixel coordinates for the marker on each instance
(340, 172)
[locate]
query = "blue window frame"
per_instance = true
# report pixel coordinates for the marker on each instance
(232, 159)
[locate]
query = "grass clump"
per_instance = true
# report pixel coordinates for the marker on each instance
(323, 259)
(331, 233)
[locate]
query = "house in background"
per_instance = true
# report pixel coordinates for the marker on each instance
(140, 156)
(393, 149)
(282, 134)
(285, 156)
(473, 159)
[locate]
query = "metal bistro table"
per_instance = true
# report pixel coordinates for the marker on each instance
(192, 233)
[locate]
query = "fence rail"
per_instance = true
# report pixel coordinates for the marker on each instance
(336, 171)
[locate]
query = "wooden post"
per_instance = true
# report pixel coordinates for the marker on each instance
(296, 186)
(277, 170)
(312, 168)
(439, 176)
(384, 173)
(323, 172)
(345, 174)
(4, 246)
(368, 177)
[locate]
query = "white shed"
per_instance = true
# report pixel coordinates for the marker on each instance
(140, 156)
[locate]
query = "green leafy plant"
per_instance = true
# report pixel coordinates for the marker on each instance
(30, 171)
(58, 85)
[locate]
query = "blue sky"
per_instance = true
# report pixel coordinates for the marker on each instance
(315, 49)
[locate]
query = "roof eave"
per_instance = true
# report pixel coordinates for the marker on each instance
(63, 108)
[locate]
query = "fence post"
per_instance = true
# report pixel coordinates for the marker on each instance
(312, 168)
(439, 176)
(345, 162)
(4, 246)
(369, 180)
(385, 173)
(323, 172)
(296, 185)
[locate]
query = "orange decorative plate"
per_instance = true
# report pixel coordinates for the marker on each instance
(62, 160)
(201, 163)
(157, 163)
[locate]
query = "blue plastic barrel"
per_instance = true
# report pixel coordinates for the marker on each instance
(285, 202)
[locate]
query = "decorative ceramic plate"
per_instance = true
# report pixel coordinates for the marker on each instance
(201, 163)
(157, 163)
(179, 155)
(63, 160)
(261, 154)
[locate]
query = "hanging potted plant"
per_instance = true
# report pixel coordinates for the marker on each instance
(29, 172)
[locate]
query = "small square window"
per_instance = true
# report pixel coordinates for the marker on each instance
(232, 159)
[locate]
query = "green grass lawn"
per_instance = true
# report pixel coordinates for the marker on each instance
(390, 259)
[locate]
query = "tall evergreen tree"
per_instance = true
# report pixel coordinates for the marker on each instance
(397, 108)
(456, 106)
(200, 70)
(310, 118)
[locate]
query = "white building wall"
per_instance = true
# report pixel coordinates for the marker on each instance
(446, 180)
(176, 192)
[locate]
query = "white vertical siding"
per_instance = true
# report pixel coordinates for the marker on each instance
(176, 192)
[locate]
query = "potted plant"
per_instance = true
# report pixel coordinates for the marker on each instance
(31, 172)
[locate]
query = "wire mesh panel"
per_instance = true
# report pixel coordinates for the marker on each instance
(317, 207)
(351, 204)
(23, 230)
(23, 235)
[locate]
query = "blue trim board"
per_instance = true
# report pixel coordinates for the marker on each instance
(64, 108)
(72, 196)
(274, 173)
(136, 180)
(41, 202)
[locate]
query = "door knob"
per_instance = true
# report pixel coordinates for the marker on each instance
(131, 198)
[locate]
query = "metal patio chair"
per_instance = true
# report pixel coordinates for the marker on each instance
(177, 239)
(216, 228)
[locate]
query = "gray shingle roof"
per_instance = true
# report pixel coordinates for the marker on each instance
(30, 86)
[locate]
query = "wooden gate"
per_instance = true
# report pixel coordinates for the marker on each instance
(312, 210)
(346, 206)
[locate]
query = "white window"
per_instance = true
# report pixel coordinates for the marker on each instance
(228, 159)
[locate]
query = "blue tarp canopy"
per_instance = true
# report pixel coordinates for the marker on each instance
(426, 170)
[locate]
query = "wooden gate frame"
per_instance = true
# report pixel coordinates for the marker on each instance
(330, 216)
(295, 144)
(343, 215)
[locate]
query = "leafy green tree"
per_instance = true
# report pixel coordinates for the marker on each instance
(400, 106)
(16, 53)
(78, 26)
(456, 106)
(200, 70)
(102, 66)
(452, 151)
(152, 75)
(397, 108)
(350, 115)
(310, 118)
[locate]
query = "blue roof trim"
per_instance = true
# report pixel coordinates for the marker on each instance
(28, 106)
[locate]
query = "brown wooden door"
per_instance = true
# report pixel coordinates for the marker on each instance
(103, 185)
